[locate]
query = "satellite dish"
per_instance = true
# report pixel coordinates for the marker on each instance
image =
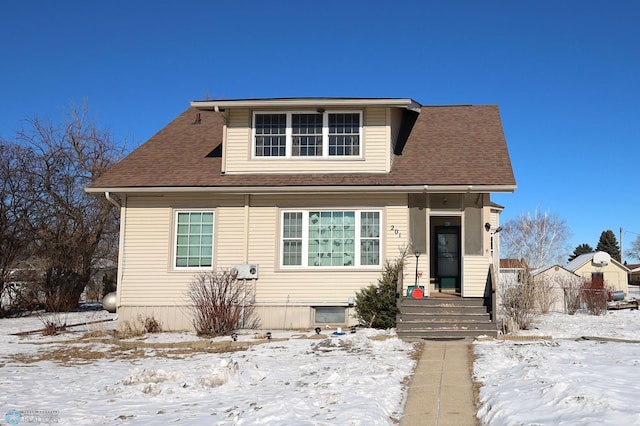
(601, 258)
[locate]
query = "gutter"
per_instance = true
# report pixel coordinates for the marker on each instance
(387, 189)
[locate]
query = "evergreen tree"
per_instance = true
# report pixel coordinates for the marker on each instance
(609, 244)
(581, 249)
(376, 305)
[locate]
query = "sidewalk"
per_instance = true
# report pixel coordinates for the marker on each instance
(441, 392)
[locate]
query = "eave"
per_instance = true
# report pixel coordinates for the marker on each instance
(342, 189)
(221, 105)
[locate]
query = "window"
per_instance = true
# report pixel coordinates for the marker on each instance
(332, 238)
(194, 239)
(307, 134)
(344, 134)
(330, 314)
(270, 131)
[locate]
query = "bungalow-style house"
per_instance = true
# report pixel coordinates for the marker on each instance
(601, 269)
(307, 198)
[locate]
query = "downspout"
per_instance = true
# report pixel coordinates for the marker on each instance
(223, 162)
(120, 248)
(112, 200)
(247, 202)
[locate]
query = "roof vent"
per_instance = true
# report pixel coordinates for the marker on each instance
(601, 258)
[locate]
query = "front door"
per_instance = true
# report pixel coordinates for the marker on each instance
(447, 252)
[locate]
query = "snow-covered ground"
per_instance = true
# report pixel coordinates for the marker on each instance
(295, 378)
(303, 379)
(565, 380)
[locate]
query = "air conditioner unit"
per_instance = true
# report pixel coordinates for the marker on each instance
(246, 271)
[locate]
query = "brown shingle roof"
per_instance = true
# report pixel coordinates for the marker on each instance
(449, 145)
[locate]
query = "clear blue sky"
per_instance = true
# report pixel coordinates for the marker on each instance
(566, 75)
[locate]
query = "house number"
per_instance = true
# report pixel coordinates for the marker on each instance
(396, 231)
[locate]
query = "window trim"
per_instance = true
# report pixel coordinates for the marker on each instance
(289, 135)
(174, 250)
(305, 240)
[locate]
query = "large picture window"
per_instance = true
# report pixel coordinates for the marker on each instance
(331, 238)
(307, 134)
(194, 239)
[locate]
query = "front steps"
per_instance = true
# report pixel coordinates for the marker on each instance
(444, 318)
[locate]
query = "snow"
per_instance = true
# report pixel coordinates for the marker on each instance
(158, 379)
(551, 375)
(545, 376)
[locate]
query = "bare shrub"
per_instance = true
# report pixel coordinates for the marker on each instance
(545, 294)
(129, 329)
(221, 303)
(54, 323)
(572, 289)
(518, 303)
(594, 296)
(139, 327)
(150, 324)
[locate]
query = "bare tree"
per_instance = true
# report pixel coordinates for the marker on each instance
(540, 239)
(634, 251)
(68, 226)
(536, 240)
(15, 207)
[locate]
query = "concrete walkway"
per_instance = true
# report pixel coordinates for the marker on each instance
(441, 391)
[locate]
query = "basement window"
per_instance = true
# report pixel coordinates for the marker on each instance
(330, 314)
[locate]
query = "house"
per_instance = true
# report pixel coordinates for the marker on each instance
(634, 281)
(634, 274)
(600, 268)
(308, 197)
(512, 272)
(558, 285)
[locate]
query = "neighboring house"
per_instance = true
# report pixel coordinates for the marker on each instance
(512, 272)
(599, 267)
(634, 274)
(559, 283)
(634, 280)
(317, 193)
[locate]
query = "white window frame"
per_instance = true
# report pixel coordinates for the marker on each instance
(175, 241)
(325, 135)
(305, 239)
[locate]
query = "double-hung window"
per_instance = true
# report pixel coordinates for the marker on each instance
(330, 238)
(194, 239)
(307, 134)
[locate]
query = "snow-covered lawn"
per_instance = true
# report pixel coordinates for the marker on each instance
(304, 379)
(295, 378)
(564, 380)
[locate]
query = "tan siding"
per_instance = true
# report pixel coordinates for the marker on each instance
(229, 237)
(375, 157)
(614, 276)
(475, 271)
(169, 317)
(148, 280)
(238, 148)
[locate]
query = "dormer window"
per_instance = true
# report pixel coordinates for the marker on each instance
(307, 134)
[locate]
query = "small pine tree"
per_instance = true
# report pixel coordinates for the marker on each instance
(609, 244)
(376, 304)
(581, 249)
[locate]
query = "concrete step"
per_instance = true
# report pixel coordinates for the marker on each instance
(443, 317)
(444, 310)
(440, 318)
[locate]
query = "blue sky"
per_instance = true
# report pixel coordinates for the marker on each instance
(566, 75)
